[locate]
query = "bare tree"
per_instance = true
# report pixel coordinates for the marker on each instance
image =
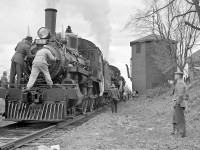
(194, 9)
(168, 21)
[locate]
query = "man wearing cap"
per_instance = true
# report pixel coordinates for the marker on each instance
(115, 95)
(22, 49)
(4, 80)
(178, 120)
(40, 65)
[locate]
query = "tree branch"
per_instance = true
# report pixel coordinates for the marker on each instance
(191, 25)
(154, 12)
(189, 2)
(196, 4)
(192, 11)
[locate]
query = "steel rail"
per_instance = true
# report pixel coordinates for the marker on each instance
(26, 139)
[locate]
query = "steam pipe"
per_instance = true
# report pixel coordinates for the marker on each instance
(128, 72)
(50, 20)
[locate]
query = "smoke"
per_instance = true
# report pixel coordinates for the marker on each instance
(95, 12)
(52, 3)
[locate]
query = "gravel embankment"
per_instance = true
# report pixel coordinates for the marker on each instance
(139, 125)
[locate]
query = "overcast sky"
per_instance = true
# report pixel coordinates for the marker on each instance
(100, 21)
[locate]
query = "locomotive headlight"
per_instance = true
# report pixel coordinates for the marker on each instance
(43, 33)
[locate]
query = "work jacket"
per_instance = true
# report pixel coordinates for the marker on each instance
(180, 93)
(22, 49)
(115, 93)
(42, 56)
(4, 82)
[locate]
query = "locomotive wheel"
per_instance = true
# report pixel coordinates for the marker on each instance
(91, 104)
(84, 106)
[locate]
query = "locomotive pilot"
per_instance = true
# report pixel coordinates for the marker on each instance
(40, 65)
(21, 50)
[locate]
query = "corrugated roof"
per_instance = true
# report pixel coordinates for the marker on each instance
(151, 37)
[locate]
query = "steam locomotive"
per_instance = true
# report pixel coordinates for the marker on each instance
(82, 79)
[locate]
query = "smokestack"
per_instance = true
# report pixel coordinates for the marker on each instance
(50, 20)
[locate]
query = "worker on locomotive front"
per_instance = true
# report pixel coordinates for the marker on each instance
(40, 65)
(21, 50)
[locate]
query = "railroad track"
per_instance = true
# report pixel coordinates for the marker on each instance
(31, 135)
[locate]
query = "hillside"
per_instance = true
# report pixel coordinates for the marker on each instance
(140, 124)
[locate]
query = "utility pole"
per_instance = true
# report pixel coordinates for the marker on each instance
(153, 21)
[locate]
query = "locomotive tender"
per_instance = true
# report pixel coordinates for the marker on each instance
(81, 78)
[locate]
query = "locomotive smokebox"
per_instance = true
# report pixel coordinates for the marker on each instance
(50, 20)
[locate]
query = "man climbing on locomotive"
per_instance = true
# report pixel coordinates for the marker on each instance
(21, 51)
(40, 65)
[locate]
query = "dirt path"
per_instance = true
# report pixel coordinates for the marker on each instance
(142, 124)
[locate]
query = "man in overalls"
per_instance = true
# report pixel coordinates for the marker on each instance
(115, 96)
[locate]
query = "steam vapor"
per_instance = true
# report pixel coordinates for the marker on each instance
(52, 3)
(96, 13)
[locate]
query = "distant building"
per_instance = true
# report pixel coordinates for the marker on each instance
(144, 73)
(194, 65)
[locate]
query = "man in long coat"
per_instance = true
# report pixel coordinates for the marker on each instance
(21, 51)
(179, 105)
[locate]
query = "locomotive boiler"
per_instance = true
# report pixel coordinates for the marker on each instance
(78, 78)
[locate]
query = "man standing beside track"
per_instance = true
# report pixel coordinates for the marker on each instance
(179, 105)
(115, 96)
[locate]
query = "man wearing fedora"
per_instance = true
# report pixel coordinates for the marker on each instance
(179, 94)
(115, 96)
(21, 50)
